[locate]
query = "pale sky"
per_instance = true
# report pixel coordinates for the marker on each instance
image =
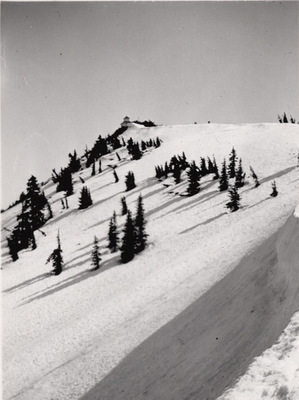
(72, 71)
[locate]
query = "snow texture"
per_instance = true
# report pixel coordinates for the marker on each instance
(275, 374)
(62, 334)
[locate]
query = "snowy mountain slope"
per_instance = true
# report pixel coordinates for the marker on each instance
(72, 329)
(203, 349)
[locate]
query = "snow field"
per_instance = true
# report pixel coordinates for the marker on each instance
(63, 334)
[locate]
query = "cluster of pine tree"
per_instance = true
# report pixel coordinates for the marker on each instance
(134, 237)
(136, 150)
(64, 181)
(130, 181)
(31, 218)
(148, 123)
(99, 149)
(284, 119)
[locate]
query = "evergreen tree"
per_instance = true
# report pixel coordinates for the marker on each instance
(136, 153)
(115, 176)
(232, 163)
(130, 181)
(254, 177)
(95, 255)
(123, 142)
(210, 166)
(13, 248)
(234, 203)
(193, 179)
(240, 175)
(85, 198)
(128, 241)
(215, 169)
(274, 190)
(223, 183)
(100, 167)
(130, 145)
(203, 167)
(279, 119)
(143, 145)
(140, 234)
(113, 234)
(285, 118)
(93, 169)
(65, 181)
(292, 120)
(74, 163)
(118, 156)
(124, 209)
(177, 173)
(56, 258)
(35, 203)
(158, 142)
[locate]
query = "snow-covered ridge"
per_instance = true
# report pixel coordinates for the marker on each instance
(57, 327)
(296, 213)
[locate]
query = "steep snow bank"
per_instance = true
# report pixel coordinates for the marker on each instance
(63, 334)
(275, 374)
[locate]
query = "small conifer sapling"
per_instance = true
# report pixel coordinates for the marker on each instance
(234, 203)
(113, 238)
(95, 255)
(274, 190)
(124, 208)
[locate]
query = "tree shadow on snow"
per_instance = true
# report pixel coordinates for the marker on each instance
(73, 280)
(27, 282)
(208, 221)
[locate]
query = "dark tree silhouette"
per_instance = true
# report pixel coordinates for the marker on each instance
(128, 241)
(118, 156)
(234, 203)
(254, 177)
(113, 238)
(56, 258)
(74, 163)
(240, 175)
(215, 169)
(95, 255)
(274, 190)
(124, 208)
(130, 145)
(193, 179)
(85, 198)
(143, 145)
(177, 173)
(285, 118)
(93, 169)
(115, 176)
(35, 203)
(100, 167)
(223, 181)
(13, 248)
(130, 181)
(232, 164)
(210, 166)
(203, 167)
(136, 152)
(140, 234)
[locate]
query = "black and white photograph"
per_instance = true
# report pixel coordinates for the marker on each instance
(150, 200)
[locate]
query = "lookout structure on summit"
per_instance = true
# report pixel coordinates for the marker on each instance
(126, 122)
